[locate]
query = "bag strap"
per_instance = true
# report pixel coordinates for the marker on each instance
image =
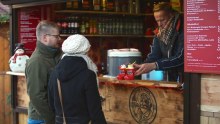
(60, 96)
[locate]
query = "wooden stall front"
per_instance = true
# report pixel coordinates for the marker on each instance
(128, 102)
(141, 102)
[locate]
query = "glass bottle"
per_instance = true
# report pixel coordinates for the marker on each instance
(83, 27)
(117, 8)
(103, 5)
(68, 4)
(87, 25)
(96, 4)
(75, 4)
(110, 5)
(85, 5)
(137, 6)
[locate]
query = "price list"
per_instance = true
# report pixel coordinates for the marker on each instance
(28, 18)
(202, 36)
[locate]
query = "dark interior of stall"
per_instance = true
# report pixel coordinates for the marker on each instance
(108, 24)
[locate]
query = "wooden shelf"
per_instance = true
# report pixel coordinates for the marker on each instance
(102, 12)
(149, 36)
(105, 13)
(15, 73)
(98, 35)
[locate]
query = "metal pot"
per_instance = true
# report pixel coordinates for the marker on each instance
(115, 58)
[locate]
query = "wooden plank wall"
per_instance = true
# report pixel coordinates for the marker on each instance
(5, 80)
(4, 47)
(210, 99)
(22, 98)
(5, 103)
(22, 118)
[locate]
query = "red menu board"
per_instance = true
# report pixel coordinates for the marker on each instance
(28, 18)
(202, 36)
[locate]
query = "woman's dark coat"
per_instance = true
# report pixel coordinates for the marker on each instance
(81, 98)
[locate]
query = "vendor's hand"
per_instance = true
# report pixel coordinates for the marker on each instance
(144, 68)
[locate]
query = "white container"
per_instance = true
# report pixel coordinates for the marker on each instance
(116, 58)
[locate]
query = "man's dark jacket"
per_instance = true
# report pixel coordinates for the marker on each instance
(169, 57)
(37, 73)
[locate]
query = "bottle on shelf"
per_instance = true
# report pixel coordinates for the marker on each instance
(176, 5)
(95, 26)
(96, 5)
(110, 5)
(68, 4)
(87, 25)
(148, 6)
(100, 25)
(87, 4)
(103, 5)
(110, 26)
(69, 27)
(91, 26)
(131, 6)
(76, 4)
(125, 6)
(64, 26)
(83, 27)
(59, 22)
(137, 6)
(103, 69)
(117, 8)
(77, 25)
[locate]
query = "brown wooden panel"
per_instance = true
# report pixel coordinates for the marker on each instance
(22, 98)
(204, 120)
(1, 98)
(214, 120)
(5, 107)
(22, 118)
(210, 90)
(128, 104)
(4, 47)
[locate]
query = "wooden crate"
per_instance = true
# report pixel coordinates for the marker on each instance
(141, 103)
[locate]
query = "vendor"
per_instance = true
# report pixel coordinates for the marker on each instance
(167, 49)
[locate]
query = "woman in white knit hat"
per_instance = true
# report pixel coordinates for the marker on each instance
(77, 75)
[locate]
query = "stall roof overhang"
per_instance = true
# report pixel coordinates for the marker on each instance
(4, 13)
(26, 3)
(4, 9)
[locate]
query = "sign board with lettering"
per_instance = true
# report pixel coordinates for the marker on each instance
(28, 18)
(202, 36)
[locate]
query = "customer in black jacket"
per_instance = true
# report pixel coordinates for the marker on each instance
(77, 75)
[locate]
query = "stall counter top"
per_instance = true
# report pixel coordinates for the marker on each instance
(15, 73)
(148, 83)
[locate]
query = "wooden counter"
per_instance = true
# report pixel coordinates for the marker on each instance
(128, 102)
(142, 102)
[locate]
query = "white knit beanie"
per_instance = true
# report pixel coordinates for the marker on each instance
(76, 44)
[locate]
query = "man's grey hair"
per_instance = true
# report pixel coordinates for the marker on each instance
(44, 27)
